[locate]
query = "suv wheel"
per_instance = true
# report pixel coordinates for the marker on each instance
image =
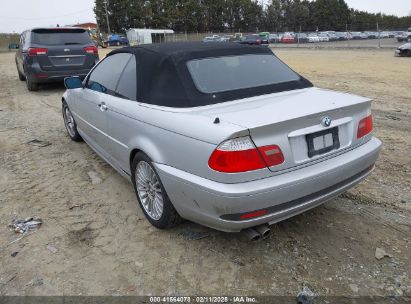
(69, 123)
(31, 86)
(151, 194)
(21, 76)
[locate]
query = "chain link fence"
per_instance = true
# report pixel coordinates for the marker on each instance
(352, 37)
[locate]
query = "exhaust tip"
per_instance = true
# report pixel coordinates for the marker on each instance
(266, 234)
(252, 235)
(263, 230)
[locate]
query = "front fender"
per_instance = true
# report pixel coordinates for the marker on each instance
(65, 96)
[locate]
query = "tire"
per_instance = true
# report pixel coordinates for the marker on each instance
(69, 123)
(21, 76)
(31, 86)
(168, 217)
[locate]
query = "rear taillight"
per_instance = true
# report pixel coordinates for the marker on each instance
(241, 155)
(37, 51)
(91, 49)
(364, 126)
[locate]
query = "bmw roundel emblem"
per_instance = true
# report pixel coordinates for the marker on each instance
(326, 121)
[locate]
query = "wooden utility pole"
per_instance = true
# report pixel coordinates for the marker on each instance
(108, 23)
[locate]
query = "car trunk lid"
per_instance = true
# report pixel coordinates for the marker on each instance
(295, 122)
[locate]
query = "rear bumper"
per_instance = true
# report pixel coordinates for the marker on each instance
(219, 205)
(54, 76)
(37, 75)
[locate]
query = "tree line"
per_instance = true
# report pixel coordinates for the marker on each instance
(240, 16)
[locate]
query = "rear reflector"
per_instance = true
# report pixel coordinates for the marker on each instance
(37, 51)
(41, 75)
(272, 155)
(91, 49)
(253, 214)
(364, 126)
(241, 155)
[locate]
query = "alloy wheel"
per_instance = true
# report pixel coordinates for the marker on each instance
(149, 190)
(69, 122)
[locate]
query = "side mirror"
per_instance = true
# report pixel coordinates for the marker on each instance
(73, 82)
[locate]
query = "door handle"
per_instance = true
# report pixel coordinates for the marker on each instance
(102, 106)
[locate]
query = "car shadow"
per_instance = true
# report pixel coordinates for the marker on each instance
(52, 87)
(190, 231)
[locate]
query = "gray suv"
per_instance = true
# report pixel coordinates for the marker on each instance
(51, 54)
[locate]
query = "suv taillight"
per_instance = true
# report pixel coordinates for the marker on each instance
(37, 51)
(364, 126)
(241, 155)
(91, 49)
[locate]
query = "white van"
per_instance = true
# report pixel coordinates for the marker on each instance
(137, 36)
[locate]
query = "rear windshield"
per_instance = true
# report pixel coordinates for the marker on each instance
(222, 74)
(60, 37)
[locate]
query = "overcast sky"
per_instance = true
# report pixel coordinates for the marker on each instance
(18, 15)
(390, 7)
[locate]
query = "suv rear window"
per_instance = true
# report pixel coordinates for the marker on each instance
(60, 36)
(222, 74)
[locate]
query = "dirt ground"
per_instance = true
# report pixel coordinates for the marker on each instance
(95, 240)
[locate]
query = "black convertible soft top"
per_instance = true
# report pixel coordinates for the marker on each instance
(163, 77)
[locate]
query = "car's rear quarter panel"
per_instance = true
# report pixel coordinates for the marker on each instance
(177, 139)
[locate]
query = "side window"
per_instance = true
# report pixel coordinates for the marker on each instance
(26, 39)
(127, 85)
(22, 39)
(105, 76)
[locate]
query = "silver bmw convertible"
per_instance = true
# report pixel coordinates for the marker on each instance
(225, 135)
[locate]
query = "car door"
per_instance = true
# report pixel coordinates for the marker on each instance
(121, 124)
(91, 105)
